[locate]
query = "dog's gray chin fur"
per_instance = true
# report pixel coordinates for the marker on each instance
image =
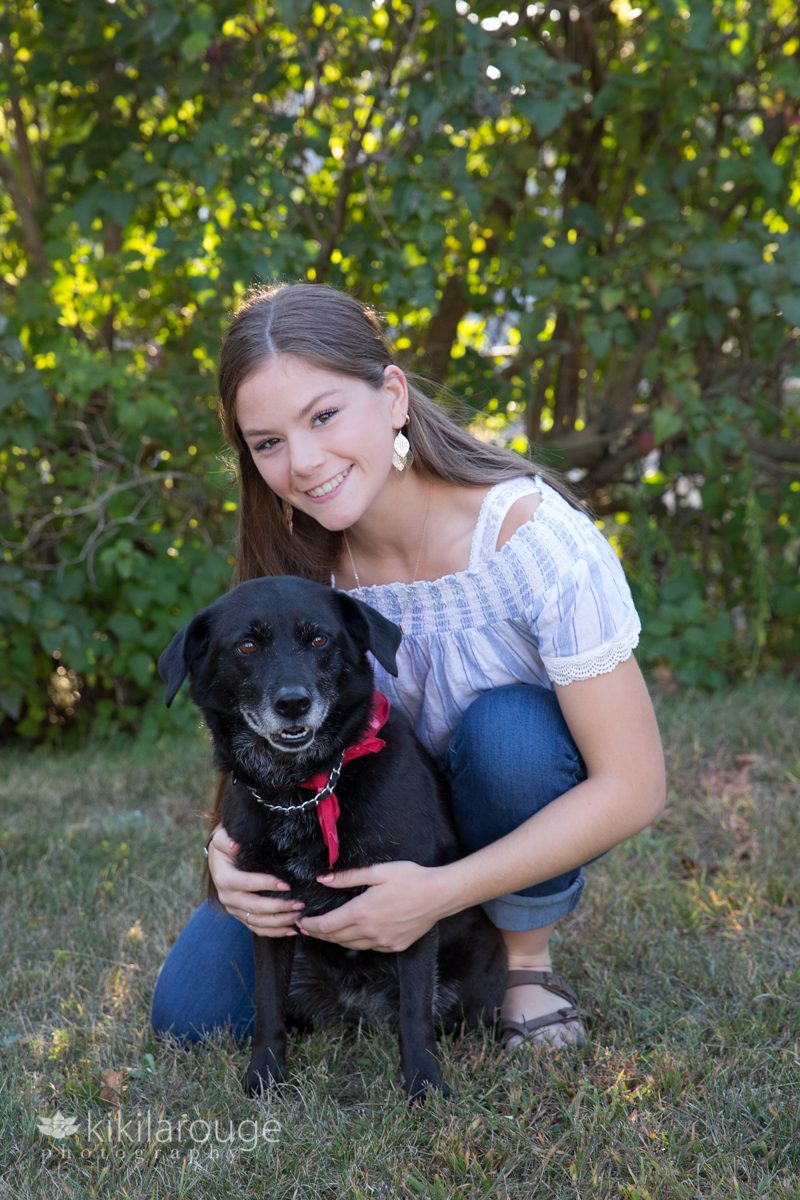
(266, 724)
(277, 767)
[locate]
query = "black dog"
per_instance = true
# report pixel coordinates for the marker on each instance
(280, 671)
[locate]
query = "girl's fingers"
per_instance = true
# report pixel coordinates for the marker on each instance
(250, 881)
(239, 902)
(228, 877)
(271, 923)
(239, 892)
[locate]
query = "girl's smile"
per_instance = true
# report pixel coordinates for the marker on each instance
(327, 490)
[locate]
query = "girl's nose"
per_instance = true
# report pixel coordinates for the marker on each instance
(305, 457)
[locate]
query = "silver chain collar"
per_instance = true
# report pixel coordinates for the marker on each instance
(321, 795)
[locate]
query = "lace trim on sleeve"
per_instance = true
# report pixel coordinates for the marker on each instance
(598, 662)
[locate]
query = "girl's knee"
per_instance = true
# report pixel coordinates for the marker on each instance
(515, 735)
(206, 982)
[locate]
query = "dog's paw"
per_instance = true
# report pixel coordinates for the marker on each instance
(419, 1088)
(259, 1078)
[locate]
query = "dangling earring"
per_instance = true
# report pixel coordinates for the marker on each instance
(401, 450)
(288, 516)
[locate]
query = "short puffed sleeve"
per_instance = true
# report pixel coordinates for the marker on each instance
(587, 623)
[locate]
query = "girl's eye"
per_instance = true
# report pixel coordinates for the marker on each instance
(246, 647)
(322, 418)
(267, 444)
(319, 641)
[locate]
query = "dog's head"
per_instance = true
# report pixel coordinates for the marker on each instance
(281, 661)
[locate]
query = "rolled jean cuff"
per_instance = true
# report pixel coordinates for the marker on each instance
(518, 913)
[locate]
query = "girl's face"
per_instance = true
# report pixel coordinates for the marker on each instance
(321, 440)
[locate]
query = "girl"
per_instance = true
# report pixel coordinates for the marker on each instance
(516, 664)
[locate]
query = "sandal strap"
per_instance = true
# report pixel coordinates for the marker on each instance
(563, 1016)
(551, 981)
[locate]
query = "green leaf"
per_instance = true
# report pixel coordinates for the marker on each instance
(52, 640)
(11, 698)
(195, 44)
(665, 425)
(723, 288)
(125, 626)
(598, 341)
(760, 303)
(545, 114)
(36, 400)
(565, 260)
(739, 254)
(163, 22)
(611, 297)
(141, 668)
(714, 325)
(430, 117)
(789, 303)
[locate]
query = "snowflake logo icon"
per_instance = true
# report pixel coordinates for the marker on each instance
(58, 1126)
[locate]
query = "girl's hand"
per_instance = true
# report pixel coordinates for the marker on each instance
(268, 916)
(400, 904)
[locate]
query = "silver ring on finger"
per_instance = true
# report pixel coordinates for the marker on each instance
(247, 919)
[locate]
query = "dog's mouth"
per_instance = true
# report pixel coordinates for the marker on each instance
(293, 737)
(287, 735)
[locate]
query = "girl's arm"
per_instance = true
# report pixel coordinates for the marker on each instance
(612, 721)
(613, 724)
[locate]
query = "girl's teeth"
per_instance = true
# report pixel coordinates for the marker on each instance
(328, 487)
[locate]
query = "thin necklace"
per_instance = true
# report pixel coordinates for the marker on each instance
(419, 548)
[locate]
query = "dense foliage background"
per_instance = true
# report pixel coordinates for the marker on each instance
(581, 217)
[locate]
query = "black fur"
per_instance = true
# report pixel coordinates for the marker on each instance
(300, 646)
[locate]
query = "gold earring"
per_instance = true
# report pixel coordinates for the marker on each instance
(401, 450)
(288, 516)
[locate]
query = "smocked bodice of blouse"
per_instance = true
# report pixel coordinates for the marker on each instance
(552, 605)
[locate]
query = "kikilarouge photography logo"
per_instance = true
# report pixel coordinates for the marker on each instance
(58, 1126)
(198, 1139)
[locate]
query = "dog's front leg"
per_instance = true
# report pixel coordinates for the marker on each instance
(416, 973)
(273, 969)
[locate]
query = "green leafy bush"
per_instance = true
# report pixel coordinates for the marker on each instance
(583, 219)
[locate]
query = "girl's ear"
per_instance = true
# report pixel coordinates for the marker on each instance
(395, 385)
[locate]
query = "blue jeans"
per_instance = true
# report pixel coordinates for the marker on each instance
(509, 757)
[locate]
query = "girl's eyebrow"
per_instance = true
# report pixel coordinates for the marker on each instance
(304, 411)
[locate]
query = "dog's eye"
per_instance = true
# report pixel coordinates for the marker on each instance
(319, 641)
(246, 647)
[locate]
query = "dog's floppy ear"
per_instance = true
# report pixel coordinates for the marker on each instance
(375, 631)
(181, 654)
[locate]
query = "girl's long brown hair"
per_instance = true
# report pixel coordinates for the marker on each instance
(334, 332)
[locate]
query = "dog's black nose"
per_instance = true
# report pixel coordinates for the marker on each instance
(291, 701)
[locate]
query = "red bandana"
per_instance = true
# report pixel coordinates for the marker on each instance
(369, 743)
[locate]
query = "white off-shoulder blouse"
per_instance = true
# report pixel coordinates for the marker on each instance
(552, 605)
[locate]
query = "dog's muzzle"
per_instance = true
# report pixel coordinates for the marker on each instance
(288, 720)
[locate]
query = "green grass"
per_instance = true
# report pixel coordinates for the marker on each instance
(685, 952)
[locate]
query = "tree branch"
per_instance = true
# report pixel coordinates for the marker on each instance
(24, 149)
(30, 227)
(443, 327)
(96, 506)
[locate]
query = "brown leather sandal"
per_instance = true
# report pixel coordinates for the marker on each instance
(533, 1030)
